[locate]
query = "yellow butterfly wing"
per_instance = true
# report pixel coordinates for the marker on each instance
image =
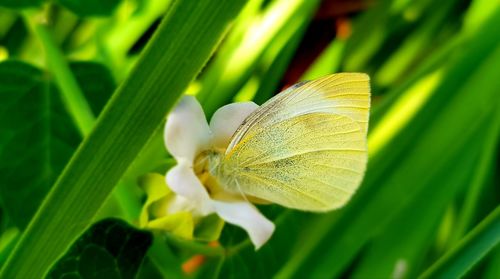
(304, 148)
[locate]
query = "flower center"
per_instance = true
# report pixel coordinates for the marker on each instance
(205, 167)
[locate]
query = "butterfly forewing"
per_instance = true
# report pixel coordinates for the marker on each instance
(305, 148)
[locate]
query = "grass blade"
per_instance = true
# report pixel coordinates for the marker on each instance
(181, 46)
(469, 251)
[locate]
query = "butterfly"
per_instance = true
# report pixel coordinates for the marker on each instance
(305, 148)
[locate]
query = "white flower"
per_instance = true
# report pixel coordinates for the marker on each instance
(187, 135)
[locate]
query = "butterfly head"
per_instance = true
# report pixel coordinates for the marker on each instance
(215, 175)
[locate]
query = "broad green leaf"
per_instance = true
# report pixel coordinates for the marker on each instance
(90, 7)
(182, 44)
(96, 83)
(12, 34)
(109, 249)
(166, 262)
(36, 142)
(39, 136)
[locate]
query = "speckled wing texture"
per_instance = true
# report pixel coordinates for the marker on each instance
(306, 148)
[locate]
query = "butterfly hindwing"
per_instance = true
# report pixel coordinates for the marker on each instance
(305, 148)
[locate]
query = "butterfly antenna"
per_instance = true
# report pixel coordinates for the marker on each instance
(202, 161)
(212, 168)
(241, 191)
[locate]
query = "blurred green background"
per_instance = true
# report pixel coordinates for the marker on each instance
(428, 205)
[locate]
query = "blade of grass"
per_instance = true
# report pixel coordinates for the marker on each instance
(8, 240)
(493, 269)
(365, 42)
(213, 74)
(74, 99)
(374, 198)
(277, 57)
(126, 30)
(351, 232)
(414, 44)
(474, 246)
(244, 58)
(416, 225)
(180, 47)
(481, 175)
(328, 62)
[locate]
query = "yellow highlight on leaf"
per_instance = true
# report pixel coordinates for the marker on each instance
(402, 112)
(4, 54)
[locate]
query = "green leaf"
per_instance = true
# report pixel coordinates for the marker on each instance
(39, 137)
(180, 47)
(19, 4)
(109, 249)
(36, 142)
(96, 82)
(165, 260)
(90, 7)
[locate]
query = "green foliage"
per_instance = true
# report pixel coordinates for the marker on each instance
(109, 249)
(469, 251)
(36, 142)
(104, 155)
(95, 81)
(90, 7)
(38, 135)
(18, 4)
(428, 205)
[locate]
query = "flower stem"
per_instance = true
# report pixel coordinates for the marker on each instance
(196, 247)
(72, 95)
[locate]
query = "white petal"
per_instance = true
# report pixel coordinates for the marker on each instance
(182, 180)
(248, 217)
(227, 119)
(186, 130)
